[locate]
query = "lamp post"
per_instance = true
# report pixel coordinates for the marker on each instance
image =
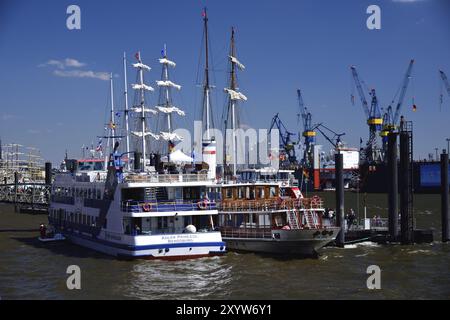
(448, 144)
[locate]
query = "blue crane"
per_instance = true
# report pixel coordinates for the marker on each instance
(445, 82)
(390, 119)
(308, 132)
(373, 116)
(286, 144)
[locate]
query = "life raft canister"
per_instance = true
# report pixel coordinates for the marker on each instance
(146, 207)
(203, 204)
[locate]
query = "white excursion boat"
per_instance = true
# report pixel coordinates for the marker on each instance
(156, 211)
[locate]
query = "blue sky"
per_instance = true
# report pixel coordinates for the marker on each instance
(284, 44)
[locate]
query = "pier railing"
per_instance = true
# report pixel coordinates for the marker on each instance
(166, 178)
(25, 193)
(167, 206)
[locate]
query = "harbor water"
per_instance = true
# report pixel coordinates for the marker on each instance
(32, 270)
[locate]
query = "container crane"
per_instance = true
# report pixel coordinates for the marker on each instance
(308, 132)
(374, 119)
(287, 146)
(390, 119)
(445, 82)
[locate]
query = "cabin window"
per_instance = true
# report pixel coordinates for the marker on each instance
(163, 222)
(240, 194)
(261, 193)
(272, 192)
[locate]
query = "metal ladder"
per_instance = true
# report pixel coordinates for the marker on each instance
(310, 221)
(293, 219)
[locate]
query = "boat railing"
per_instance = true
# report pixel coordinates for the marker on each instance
(230, 232)
(166, 178)
(271, 205)
(167, 206)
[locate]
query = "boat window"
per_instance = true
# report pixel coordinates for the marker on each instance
(98, 166)
(162, 222)
(272, 192)
(240, 193)
(229, 193)
(261, 193)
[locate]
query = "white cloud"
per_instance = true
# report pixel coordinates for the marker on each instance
(62, 64)
(6, 117)
(82, 74)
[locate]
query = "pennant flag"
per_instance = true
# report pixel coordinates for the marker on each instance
(203, 13)
(414, 108)
(138, 56)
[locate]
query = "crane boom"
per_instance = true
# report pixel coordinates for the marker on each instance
(360, 92)
(445, 80)
(403, 92)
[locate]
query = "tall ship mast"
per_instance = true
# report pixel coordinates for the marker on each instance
(165, 107)
(141, 109)
(234, 96)
(208, 140)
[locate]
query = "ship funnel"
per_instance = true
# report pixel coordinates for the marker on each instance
(210, 157)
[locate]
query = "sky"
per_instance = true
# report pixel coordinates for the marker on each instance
(54, 88)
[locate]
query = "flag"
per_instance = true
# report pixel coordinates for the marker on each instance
(414, 108)
(138, 56)
(203, 13)
(99, 145)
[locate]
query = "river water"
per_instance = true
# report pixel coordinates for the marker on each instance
(31, 270)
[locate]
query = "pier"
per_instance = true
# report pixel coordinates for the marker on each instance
(28, 197)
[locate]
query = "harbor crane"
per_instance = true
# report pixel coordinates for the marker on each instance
(287, 145)
(308, 132)
(390, 119)
(374, 120)
(445, 82)
(335, 140)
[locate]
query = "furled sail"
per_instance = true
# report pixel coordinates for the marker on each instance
(170, 136)
(139, 109)
(142, 86)
(235, 95)
(170, 110)
(168, 62)
(167, 83)
(141, 65)
(238, 63)
(139, 134)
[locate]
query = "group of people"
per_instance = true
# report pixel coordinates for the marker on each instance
(350, 217)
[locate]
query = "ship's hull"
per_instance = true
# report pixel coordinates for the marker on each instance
(302, 242)
(164, 251)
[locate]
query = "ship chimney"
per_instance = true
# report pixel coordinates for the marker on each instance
(210, 157)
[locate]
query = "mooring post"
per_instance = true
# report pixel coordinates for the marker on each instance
(16, 189)
(406, 192)
(393, 185)
(137, 161)
(48, 173)
(339, 180)
(444, 197)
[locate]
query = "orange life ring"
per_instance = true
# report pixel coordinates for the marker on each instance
(147, 207)
(203, 204)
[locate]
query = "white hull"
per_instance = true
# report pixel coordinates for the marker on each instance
(155, 251)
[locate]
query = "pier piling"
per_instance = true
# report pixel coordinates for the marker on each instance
(444, 197)
(393, 185)
(339, 165)
(48, 173)
(406, 187)
(137, 161)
